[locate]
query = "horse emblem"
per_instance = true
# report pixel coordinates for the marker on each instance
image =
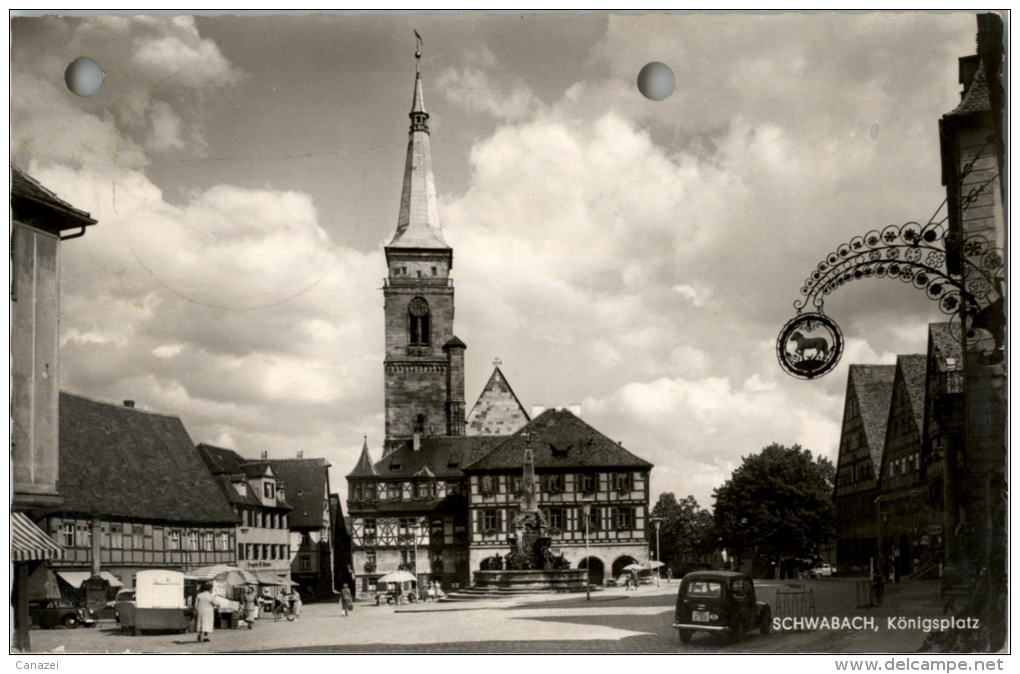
(809, 345)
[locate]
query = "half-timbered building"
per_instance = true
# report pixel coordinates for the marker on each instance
(862, 439)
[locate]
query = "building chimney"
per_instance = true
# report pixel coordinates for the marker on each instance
(416, 441)
(265, 454)
(300, 454)
(129, 403)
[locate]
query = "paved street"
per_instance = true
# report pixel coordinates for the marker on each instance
(614, 621)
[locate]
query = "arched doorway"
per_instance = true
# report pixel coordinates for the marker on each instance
(488, 564)
(620, 563)
(596, 570)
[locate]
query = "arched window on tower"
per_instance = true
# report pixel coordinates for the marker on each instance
(418, 322)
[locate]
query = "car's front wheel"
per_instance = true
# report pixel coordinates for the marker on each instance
(70, 621)
(685, 636)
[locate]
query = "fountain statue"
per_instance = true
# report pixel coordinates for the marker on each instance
(530, 565)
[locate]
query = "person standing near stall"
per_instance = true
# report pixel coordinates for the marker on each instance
(346, 601)
(251, 607)
(295, 603)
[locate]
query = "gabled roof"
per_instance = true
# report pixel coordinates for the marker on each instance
(220, 460)
(497, 410)
(29, 196)
(945, 345)
(911, 370)
(364, 467)
(256, 470)
(124, 462)
(443, 456)
(559, 439)
(306, 482)
(872, 386)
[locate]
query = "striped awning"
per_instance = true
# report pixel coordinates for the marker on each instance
(29, 542)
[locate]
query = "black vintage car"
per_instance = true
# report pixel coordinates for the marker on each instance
(52, 612)
(719, 602)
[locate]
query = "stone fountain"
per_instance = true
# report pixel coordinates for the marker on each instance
(529, 565)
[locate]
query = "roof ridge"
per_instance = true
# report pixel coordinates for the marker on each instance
(120, 406)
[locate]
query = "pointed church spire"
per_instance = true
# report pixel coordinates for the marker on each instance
(418, 221)
(364, 467)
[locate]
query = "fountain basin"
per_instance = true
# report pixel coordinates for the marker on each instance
(510, 581)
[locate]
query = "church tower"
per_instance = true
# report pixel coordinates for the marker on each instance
(424, 364)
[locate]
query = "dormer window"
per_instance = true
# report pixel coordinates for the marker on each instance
(268, 489)
(418, 321)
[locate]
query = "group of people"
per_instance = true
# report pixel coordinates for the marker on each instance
(206, 604)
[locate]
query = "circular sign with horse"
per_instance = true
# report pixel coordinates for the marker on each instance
(809, 345)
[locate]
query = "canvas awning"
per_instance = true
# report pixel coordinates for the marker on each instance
(76, 578)
(271, 579)
(29, 542)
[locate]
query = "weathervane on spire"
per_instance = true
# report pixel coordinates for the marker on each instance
(418, 44)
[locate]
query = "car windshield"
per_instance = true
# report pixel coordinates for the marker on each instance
(704, 588)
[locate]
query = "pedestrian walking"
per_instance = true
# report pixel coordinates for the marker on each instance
(669, 574)
(346, 601)
(205, 612)
(295, 603)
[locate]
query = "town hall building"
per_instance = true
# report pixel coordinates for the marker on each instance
(440, 500)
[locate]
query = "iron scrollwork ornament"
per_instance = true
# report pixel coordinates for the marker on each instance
(809, 345)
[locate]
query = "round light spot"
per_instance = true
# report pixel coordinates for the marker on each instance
(656, 81)
(84, 76)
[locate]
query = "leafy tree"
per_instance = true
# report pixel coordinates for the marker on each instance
(687, 530)
(777, 503)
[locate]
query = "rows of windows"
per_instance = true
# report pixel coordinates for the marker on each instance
(620, 518)
(398, 491)
(556, 483)
(263, 551)
(129, 536)
(263, 520)
(904, 465)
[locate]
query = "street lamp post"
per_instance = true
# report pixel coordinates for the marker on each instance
(417, 528)
(658, 555)
(585, 510)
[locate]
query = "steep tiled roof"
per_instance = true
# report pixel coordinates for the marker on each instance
(497, 410)
(873, 385)
(558, 439)
(220, 460)
(443, 456)
(364, 467)
(975, 98)
(123, 462)
(27, 191)
(226, 483)
(912, 370)
(945, 345)
(305, 481)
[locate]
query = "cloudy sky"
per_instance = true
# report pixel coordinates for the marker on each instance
(636, 257)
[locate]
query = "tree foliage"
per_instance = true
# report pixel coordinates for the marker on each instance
(778, 502)
(687, 529)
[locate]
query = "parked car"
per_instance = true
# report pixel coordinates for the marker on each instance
(822, 571)
(720, 602)
(48, 613)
